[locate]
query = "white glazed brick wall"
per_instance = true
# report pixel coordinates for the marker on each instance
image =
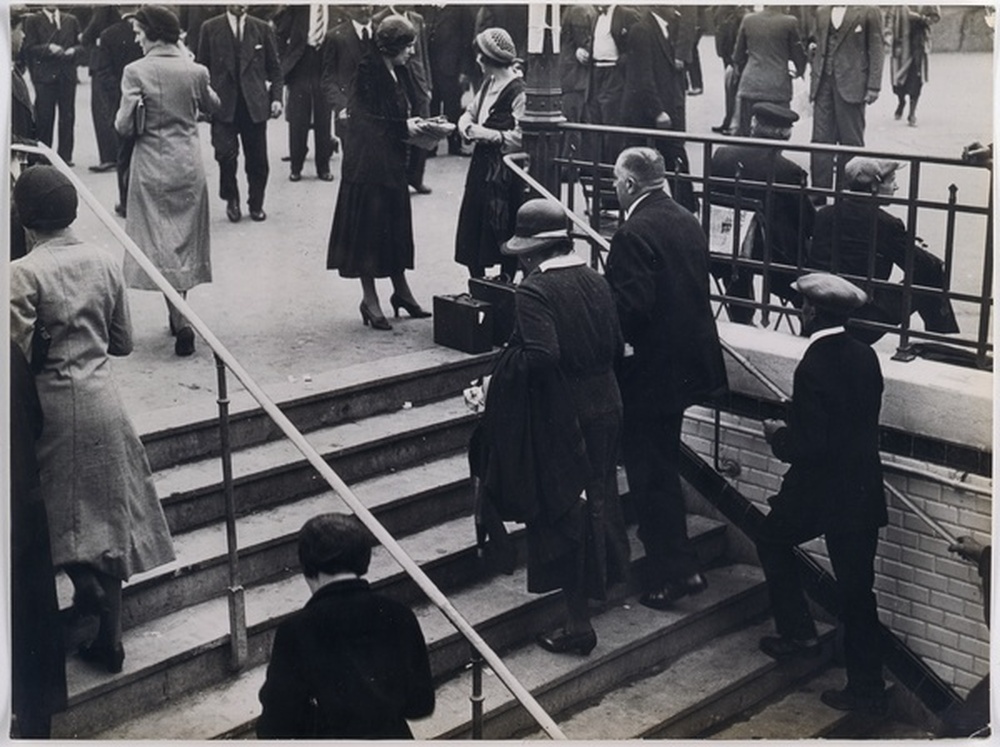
(926, 595)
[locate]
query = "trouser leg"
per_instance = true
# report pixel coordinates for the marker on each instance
(46, 96)
(779, 533)
(253, 136)
(225, 141)
(67, 117)
(824, 131)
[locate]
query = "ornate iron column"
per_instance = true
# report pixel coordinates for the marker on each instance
(543, 109)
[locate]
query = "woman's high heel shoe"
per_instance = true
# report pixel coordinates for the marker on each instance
(412, 307)
(377, 322)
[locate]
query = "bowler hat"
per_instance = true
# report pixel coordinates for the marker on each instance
(831, 292)
(868, 172)
(45, 198)
(773, 114)
(540, 223)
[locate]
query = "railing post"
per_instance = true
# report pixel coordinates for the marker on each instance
(986, 294)
(477, 697)
(905, 350)
(238, 646)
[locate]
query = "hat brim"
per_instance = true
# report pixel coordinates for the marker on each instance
(526, 244)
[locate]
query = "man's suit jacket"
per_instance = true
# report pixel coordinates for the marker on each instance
(342, 51)
(832, 437)
(652, 83)
(39, 32)
(192, 17)
(116, 49)
(351, 664)
(857, 57)
(658, 271)
(258, 66)
(576, 31)
(291, 25)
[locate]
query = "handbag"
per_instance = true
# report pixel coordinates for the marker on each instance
(139, 118)
(41, 340)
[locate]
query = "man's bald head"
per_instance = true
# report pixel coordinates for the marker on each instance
(638, 171)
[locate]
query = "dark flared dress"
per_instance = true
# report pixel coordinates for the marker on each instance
(372, 233)
(492, 193)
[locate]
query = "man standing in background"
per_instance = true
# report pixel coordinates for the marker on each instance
(51, 44)
(241, 54)
(846, 50)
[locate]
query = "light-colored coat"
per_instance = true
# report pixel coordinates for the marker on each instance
(95, 479)
(167, 195)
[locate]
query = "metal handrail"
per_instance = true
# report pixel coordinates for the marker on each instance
(312, 456)
(512, 162)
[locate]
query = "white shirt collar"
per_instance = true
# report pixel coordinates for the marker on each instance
(53, 16)
(235, 22)
(827, 332)
(634, 205)
(359, 27)
(560, 261)
(664, 27)
(837, 15)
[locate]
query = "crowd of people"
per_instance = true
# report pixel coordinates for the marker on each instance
(610, 362)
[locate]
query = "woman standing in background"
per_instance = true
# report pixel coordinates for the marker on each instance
(908, 36)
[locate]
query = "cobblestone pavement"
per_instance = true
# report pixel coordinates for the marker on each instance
(284, 316)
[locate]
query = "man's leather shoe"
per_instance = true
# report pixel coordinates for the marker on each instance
(325, 176)
(184, 344)
(783, 647)
(561, 642)
(102, 167)
(849, 700)
(664, 597)
(233, 210)
(119, 209)
(421, 189)
(258, 215)
(295, 176)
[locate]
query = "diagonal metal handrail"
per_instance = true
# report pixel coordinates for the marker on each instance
(784, 398)
(312, 456)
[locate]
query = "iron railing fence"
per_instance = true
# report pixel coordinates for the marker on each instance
(947, 201)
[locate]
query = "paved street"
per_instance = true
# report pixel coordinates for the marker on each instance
(284, 316)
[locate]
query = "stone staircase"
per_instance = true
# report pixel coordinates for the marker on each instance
(396, 432)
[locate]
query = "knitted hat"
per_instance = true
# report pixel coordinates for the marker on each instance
(831, 292)
(45, 198)
(540, 223)
(393, 35)
(159, 23)
(496, 44)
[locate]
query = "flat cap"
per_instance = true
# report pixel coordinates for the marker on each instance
(867, 172)
(831, 292)
(774, 114)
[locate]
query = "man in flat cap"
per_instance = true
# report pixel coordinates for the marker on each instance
(833, 488)
(845, 233)
(783, 215)
(351, 664)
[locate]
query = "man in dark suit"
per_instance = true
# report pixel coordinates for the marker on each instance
(783, 218)
(192, 17)
(116, 48)
(241, 54)
(606, 58)
(301, 30)
(833, 488)
(51, 44)
(576, 38)
(656, 89)
(846, 49)
(103, 103)
(658, 271)
(351, 664)
(345, 45)
(450, 31)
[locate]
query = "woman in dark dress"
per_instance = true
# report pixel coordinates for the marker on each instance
(492, 193)
(372, 235)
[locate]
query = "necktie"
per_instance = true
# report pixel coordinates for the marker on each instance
(55, 19)
(365, 36)
(317, 24)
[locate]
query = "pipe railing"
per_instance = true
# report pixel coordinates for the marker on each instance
(225, 360)
(513, 161)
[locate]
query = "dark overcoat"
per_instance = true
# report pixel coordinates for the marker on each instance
(832, 438)
(658, 271)
(652, 83)
(351, 664)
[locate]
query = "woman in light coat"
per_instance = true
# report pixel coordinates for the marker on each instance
(167, 193)
(105, 519)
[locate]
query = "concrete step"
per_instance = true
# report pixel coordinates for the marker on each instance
(275, 472)
(182, 434)
(180, 661)
(631, 638)
(405, 501)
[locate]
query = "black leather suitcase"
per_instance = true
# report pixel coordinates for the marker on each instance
(463, 323)
(500, 295)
